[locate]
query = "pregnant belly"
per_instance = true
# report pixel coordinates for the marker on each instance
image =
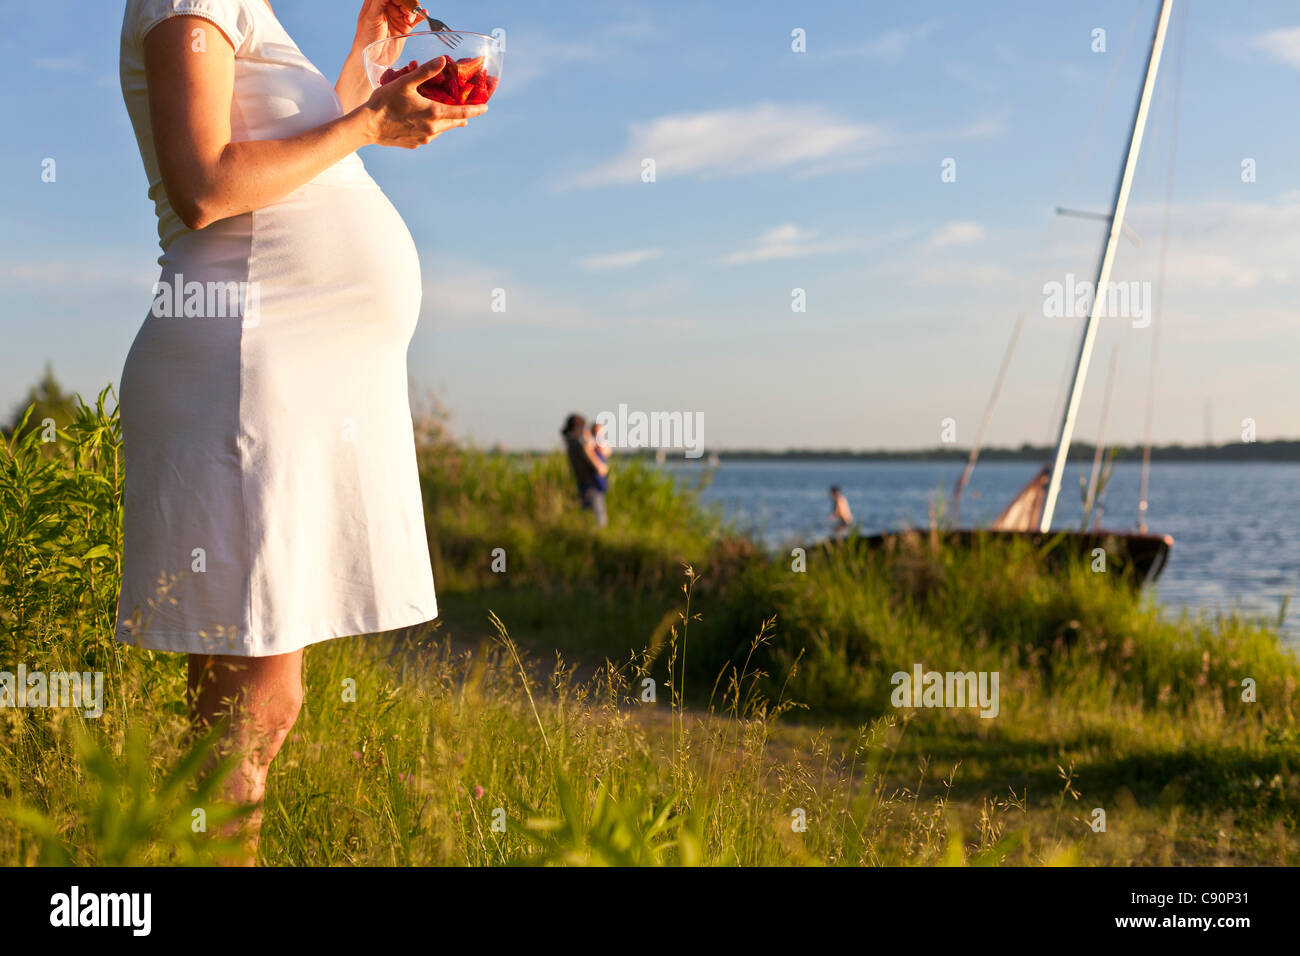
(333, 297)
(335, 260)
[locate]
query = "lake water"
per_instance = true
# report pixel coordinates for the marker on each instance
(1236, 527)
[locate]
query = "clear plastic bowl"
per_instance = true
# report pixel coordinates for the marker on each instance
(469, 77)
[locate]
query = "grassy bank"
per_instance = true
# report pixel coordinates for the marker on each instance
(525, 704)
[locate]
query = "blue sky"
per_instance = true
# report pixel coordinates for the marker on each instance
(775, 170)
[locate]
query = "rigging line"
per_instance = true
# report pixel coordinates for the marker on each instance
(1092, 500)
(1158, 305)
(984, 423)
(1089, 137)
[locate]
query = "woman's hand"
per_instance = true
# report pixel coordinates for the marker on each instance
(381, 19)
(378, 20)
(400, 116)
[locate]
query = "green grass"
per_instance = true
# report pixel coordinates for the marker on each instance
(771, 697)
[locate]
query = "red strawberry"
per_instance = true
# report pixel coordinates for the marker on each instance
(467, 67)
(390, 74)
(443, 86)
(482, 88)
(468, 84)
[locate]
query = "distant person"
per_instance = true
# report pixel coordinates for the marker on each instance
(841, 517)
(589, 471)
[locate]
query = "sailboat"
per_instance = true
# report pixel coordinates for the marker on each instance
(1140, 553)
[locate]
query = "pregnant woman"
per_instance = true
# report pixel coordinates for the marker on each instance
(272, 499)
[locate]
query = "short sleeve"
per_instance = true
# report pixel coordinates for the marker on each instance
(232, 17)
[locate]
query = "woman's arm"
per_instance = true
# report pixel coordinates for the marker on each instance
(353, 88)
(378, 20)
(207, 177)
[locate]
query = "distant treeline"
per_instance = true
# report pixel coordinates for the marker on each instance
(1274, 451)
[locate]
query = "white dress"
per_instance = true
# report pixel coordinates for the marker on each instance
(272, 499)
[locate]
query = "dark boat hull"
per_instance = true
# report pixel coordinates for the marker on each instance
(1139, 557)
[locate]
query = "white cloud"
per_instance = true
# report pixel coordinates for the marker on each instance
(618, 260)
(785, 242)
(956, 233)
(1282, 44)
(805, 139)
(749, 139)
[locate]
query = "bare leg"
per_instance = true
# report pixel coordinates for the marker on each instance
(262, 695)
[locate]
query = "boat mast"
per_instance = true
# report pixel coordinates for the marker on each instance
(1107, 260)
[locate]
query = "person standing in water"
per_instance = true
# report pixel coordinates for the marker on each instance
(841, 517)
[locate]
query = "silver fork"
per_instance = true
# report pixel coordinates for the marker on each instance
(437, 26)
